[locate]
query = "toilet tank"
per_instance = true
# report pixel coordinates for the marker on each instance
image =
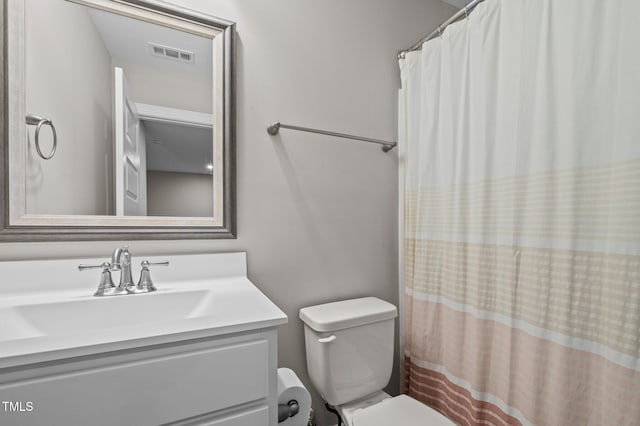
(349, 347)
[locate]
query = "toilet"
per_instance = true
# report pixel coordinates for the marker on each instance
(349, 347)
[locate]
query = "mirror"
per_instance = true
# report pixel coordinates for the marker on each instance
(120, 121)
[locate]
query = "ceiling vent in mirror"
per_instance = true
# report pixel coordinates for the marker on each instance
(171, 53)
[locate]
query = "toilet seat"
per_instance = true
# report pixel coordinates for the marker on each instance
(400, 410)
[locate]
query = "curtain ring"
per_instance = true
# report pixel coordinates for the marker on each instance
(39, 122)
(440, 32)
(466, 12)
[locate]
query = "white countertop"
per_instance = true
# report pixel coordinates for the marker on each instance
(47, 310)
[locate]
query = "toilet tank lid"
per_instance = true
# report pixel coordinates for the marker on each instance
(347, 313)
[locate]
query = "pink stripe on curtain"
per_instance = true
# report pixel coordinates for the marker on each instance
(549, 383)
(455, 402)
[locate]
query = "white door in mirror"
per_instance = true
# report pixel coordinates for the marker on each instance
(130, 161)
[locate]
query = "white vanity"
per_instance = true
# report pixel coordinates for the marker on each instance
(201, 350)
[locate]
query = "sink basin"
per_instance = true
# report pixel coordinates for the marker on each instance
(96, 313)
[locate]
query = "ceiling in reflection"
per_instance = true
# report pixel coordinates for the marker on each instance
(177, 148)
(131, 41)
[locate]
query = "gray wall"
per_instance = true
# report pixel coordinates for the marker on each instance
(153, 86)
(179, 194)
(62, 87)
(316, 215)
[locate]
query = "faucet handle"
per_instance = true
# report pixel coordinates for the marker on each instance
(106, 286)
(103, 265)
(147, 263)
(145, 284)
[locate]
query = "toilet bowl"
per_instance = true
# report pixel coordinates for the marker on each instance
(349, 348)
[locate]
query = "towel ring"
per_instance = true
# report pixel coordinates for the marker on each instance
(34, 120)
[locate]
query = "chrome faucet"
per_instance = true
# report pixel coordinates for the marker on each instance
(145, 284)
(106, 287)
(121, 261)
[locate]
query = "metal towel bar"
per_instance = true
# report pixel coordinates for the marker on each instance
(275, 128)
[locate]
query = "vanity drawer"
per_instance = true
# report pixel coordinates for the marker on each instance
(151, 391)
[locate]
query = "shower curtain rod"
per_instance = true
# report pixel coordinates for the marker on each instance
(275, 128)
(438, 31)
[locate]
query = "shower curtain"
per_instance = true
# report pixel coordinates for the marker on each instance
(520, 143)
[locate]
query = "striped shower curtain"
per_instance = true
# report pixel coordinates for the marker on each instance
(520, 143)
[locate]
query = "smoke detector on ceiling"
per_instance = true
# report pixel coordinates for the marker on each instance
(173, 53)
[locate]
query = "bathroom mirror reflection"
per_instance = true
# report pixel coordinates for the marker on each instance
(139, 99)
(108, 66)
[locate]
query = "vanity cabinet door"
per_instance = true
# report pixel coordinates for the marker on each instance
(158, 387)
(256, 417)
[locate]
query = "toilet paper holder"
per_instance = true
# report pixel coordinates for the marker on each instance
(294, 400)
(287, 410)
